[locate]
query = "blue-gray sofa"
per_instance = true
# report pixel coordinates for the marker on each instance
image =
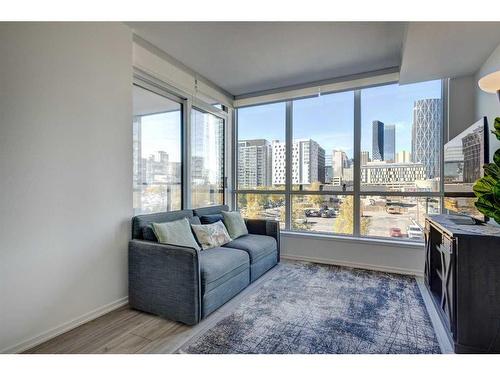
(185, 284)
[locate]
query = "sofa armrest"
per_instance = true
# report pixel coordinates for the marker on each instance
(265, 227)
(165, 280)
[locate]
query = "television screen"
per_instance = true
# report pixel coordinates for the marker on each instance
(464, 157)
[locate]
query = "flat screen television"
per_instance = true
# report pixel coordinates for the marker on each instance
(464, 157)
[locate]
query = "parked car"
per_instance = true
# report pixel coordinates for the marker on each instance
(328, 213)
(395, 232)
(414, 231)
(393, 210)
(312, 213)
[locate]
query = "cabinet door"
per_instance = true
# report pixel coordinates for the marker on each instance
(447, 275)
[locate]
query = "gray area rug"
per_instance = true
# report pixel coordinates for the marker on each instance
(312, 308)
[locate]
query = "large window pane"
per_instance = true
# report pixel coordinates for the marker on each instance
(462, 205)
(207, 159)
(262, 206)
(156, 152)
(396, 217)
(261, 147)
(323, 142)
(401, 137)
(322, 213)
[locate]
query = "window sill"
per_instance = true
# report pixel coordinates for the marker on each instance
(381, 241)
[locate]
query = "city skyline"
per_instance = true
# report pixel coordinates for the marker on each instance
(330, 117)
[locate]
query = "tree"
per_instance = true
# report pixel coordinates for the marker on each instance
(344, 224)
(299, 219)
(315, 200)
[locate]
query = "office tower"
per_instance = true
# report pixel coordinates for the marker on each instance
(390, 143)
(426, 135)
(396, 176)
(328, 169)
(308, 161)
(365, 157)
(403, 157)
(339, 162)
(473, 154)
(377, 140)
(254, 163)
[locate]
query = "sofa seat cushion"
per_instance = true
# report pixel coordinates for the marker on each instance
(220, 264)
(256, 245)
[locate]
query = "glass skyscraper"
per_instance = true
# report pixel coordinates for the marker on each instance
(378, 140)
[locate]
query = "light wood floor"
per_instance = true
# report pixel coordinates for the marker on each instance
(129, 331)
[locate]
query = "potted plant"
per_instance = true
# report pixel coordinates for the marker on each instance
(487, 188)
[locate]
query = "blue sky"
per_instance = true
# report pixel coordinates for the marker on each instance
(328, 119)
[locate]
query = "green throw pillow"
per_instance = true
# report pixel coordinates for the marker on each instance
(234, 223)
(211, 235)
(176, 233)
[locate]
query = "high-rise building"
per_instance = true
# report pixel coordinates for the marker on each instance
(390, 143)
(377, 140)
(328, 168)
(392, 176)
(365, 157)
(426, 135)
(308, 162)
(254, 163)
(473, 152)
(339, 162)
(403, 157)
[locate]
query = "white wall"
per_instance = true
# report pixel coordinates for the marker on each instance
(488, 104)
(66, 172)
(370, 254)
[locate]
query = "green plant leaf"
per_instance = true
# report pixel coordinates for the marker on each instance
(496, 194)
(492, 170)
(484, 186)
(497, 128)
(496, 157)
(486, 207)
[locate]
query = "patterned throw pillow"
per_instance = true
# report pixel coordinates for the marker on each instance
(211, 235)
(234, 223)
(176, 232)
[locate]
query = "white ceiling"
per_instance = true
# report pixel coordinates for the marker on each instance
(246, 57)
(435, 50)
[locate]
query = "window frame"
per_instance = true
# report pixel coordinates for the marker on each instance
(356, 192)
(188, 102)
(205, 108)
(165, 94)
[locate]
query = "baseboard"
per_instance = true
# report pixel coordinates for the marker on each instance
(402, 271)
(65, 327)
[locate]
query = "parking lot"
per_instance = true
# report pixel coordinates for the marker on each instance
(380, 221)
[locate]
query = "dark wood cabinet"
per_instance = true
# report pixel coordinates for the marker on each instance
(462, 274)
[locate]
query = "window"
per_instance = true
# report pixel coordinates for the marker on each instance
(263, 206)
(401, 137)
(396, 216)
(322, 213)
(261, 147)
(207, 159)
(323, 143)
(377, 176)
(157, 163)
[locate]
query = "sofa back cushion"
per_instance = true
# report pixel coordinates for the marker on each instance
(235, 224)
(210, 210)
(142, 223)
(176, 233)
(210, 219)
